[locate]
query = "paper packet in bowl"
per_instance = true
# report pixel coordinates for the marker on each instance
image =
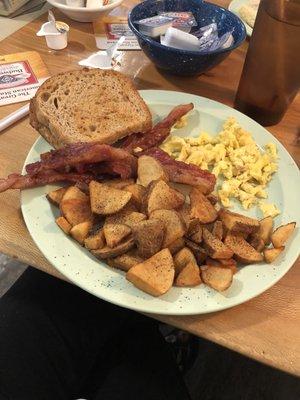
(183, 20)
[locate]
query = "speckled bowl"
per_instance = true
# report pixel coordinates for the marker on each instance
(184, 62)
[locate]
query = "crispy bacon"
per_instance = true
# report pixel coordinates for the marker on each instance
(181, 172)
(17, 181)
(79, 154)
(158, 133)
(110, 168)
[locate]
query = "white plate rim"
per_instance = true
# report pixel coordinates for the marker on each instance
(172, 98)
(234, 6)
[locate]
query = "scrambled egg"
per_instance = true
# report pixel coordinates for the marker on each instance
(234, 157)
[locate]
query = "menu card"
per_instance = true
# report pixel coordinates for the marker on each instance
(21, 74)
(109, 29)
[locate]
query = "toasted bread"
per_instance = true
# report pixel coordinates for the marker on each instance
(88, 105)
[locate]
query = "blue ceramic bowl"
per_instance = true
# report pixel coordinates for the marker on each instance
(185, 62)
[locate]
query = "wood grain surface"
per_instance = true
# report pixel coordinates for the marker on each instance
(266, 328)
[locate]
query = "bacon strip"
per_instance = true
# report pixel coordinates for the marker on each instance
(79, 154)
(158, 133)
(17, 181)
(181, 172)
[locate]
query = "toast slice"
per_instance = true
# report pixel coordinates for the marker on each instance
(88, 105)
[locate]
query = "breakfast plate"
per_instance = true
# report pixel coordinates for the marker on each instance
(234, 7)
(94, 276)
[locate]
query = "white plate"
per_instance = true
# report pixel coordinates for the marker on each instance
(234, 7)
(85, 271)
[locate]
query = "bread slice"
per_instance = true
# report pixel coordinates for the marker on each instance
(88, 105)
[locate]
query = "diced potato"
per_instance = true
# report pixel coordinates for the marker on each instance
(196, 235)
(177, 245)
(119, 183)
(265, 229)
(238, 223)
(257, 243)
(124, 261)
(202, 208)
(106, 199)
(138, 193)
(76, 210)
(272, 254)
(96, 241)
(73, 192)
(217, 230)
(229, 263)
(174, 226)
(63, 224)
(182, 258)
(185, 213)
(217, 278)
(199, 252)
(155, 275)
(126, 217)
(148, 237)
(189, 276)
(115, 233)
(55, 197)
(215, 248)
(81, 231)
(108, 252)
(281, 235)
(160, 196)
(149, 169)
(243, 251)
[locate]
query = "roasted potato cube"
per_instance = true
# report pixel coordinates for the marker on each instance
(63, 224)
(243, 251)
(106, 199)
(124, 261)
(189, 275)
(217, 278)
(257, 243)
(195, 233)
(119, 183)
(76, 210)
(55, 197)
(215, 248)
(148, 236)
(108, 252)
(265, 229)
(182, 258)
(280, 236)
(272, 254)
(217, 230)
(160, 196)
(80, 232)
(155, 275)
(199, 252)
(177, 245)
(149, 169)
(185, 213)
(138, 193)
(115, 233)
(174, 226)
(126, 217)
(96, 241)
(73, 192)
(238, 223)
(202, 208)
(229, 263)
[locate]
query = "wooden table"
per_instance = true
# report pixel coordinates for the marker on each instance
(266, 328)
